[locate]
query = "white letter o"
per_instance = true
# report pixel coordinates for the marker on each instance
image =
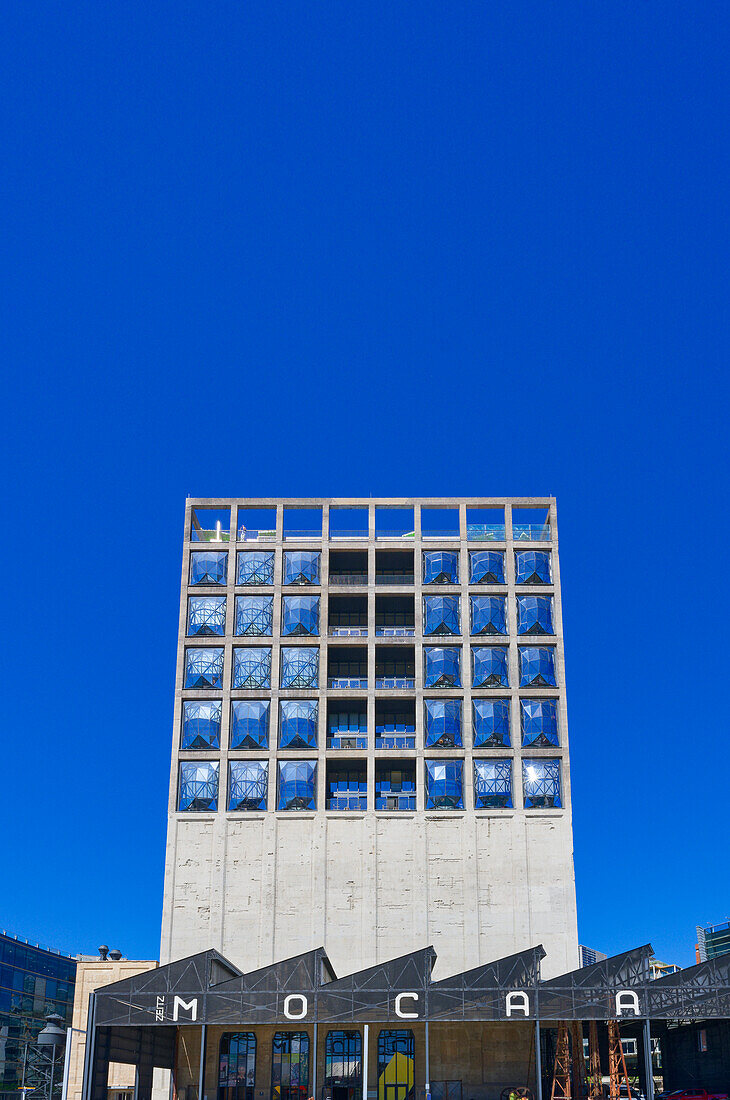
(295, 1015)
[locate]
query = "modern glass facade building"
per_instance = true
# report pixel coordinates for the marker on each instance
(370, 745)
(712, 940)
(34, 981)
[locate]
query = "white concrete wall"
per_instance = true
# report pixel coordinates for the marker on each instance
(373, 887)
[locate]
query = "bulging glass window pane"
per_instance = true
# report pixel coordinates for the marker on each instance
(206, 616)
(488, 614)
(248, 785)
(537, 666)
(489, 666)
(297, 785)
(539, 721)
(442, 723)
(533, 567)
(198, 785)
(442, 666)
(300, 615)
(254, 615)
(441, 615)
(204, 667)
(201, 727)
(250, 724)
(298, 724)
(486, 566)
(208, 566)
(490, 722)
(301, 566)
(492, 784)
(299, 667)
(541, 784)
(444, 785)
(535, 615)
(440, 567)
(252, 667)
(255, 567)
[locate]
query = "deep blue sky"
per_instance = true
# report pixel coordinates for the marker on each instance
(351, 248)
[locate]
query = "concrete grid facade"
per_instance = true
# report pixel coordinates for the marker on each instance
(372, 884)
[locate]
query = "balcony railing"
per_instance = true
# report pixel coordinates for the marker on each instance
(348, 632)
(395, 682)
(395, 740)
(347, 802)
(531, 532)
(353, 579)
(395, 802)
(395, 534)
(348, 681)
(485, 532)
(394, 578)
(220, 534)
(347, 741)
(310, 534)
(348, 534)
(247, 534)
(395, 631)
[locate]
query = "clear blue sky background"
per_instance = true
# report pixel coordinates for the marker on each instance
(352, 248)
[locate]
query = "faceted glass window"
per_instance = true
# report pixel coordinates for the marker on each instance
(443, 723)
(533, 567)
(298, 724)
(490, 721)
(209, 567)
(299, 667)
(248, 784)
(444, 785)
(255, 567)
(198, 785)
(488, 614)
(489, 666)
(297, 785)
(207, 616)
(440, 567)
(442, 666)
(537, 666)
(541, 784)
(201, 727)
(300, 615)
(535, 615)
(254, 615)
(250, 724)
(203, 668)
(492, 784)
(539, 721)
(441, 615)
(252, 668)
(301, 567)
(486, 566)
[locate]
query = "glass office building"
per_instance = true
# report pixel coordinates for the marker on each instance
(34, 982)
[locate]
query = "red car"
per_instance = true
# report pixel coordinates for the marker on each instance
(696, 1094)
